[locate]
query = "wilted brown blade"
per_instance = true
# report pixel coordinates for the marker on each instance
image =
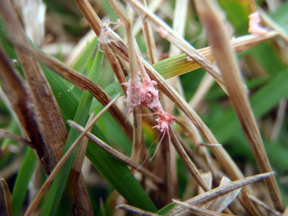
(49, 119)
(8, 196)
(219, 191)
(237, 93)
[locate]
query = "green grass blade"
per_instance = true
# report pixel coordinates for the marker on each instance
(82, 61)
(166, 209)
(23, 178)
(237, 13)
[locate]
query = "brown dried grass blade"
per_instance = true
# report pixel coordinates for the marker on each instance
(219, 191)
(266, 207)
(7, 134)
(79, 157)
(198, 211)
(133, 59)
(237, 91)
(189, 164)
(285, 213)
(193, 155)
(136, 210)
(179, 23)
(222, 202)
(207, 177)
(120, 156)
(183, 45)
(51, 124)
(105, 39)
(20, 101)
(8, 196)
(90, 15)
(149, 38)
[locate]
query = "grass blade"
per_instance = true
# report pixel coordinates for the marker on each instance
(22, 180)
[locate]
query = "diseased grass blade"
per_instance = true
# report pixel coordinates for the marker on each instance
(237, 93)
(196, 210)
(219, 191)
(23, 178)
(116, 173)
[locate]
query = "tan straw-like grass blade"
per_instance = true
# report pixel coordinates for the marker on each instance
(222, 202)
(115, 153)
(263, 205)
(50, 120)
(219, 191)
(7, 134)
(207, 177)
(183, 45)
(198, 211)
(136, 210)
(237, 91)
(21, 96)
(7, 195)
(133, 59)
(189, 164)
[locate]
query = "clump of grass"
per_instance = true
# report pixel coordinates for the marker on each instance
(50, 104)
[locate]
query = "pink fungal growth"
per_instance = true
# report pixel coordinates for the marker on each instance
(143, 94)
(151, 95)
(163, 32)
(163, 119)
(134, 92)
(255, 26)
